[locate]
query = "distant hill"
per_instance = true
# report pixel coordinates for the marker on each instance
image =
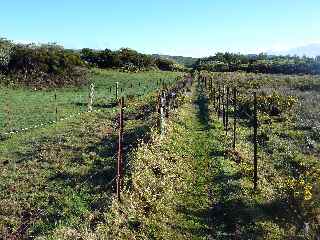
(311, 50)
(186, 61)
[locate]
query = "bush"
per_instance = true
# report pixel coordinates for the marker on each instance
(45, 66)
(164, 64)
(125, 59)
(273, 104)
(5, 54)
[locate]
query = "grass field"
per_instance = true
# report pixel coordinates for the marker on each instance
(59, 174)
(22, 107)
(190, 184)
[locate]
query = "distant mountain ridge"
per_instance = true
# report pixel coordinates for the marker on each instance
(310, 50)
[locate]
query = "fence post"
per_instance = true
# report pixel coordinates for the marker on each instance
(91, 97)
(117, 90)
(167, 103)
(255, 151)
(223, 107)
(56, 105)
(235, 112)
(227, 112)
(162, 113)
(219, 101)
(214, 97)
(120, 156)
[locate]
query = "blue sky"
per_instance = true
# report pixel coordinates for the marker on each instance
(180, 27)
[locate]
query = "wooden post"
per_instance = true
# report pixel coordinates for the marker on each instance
(120, 156)
(255, 151)
(235, 112)
(167, 104)
(162, 113)
(117, 90)
(91, 97)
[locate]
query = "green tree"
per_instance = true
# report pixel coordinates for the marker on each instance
(6, 47)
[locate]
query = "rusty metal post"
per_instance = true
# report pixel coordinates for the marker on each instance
(56, 105)
(255, 151)
(219, 101)
(120, 149)
(235, 113)
(214, 97)
(223, 107)
(227, 112)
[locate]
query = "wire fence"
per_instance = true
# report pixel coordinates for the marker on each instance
(171, 91)
(257, 109)
(24, 110)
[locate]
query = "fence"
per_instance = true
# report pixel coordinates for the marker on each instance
(167, 100)
(265, 107)
(170, 93)
(24, 110)
(221, 98)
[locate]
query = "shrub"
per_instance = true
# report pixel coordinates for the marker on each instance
(45, 66)
(5, 53)
(273, 104)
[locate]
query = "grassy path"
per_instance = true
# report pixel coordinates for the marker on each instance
(213, 207)
(185, 187)
(222, 193)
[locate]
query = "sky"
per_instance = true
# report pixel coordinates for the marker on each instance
(176, 27)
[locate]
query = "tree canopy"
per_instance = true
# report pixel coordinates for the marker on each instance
(262, 63)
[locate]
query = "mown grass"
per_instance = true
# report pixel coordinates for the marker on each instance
(59, 175)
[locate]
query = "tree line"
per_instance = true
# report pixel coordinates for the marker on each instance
(51, 65)
(262, 63)
(128, 60)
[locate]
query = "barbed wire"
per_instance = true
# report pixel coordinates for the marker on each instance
(44, 124)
